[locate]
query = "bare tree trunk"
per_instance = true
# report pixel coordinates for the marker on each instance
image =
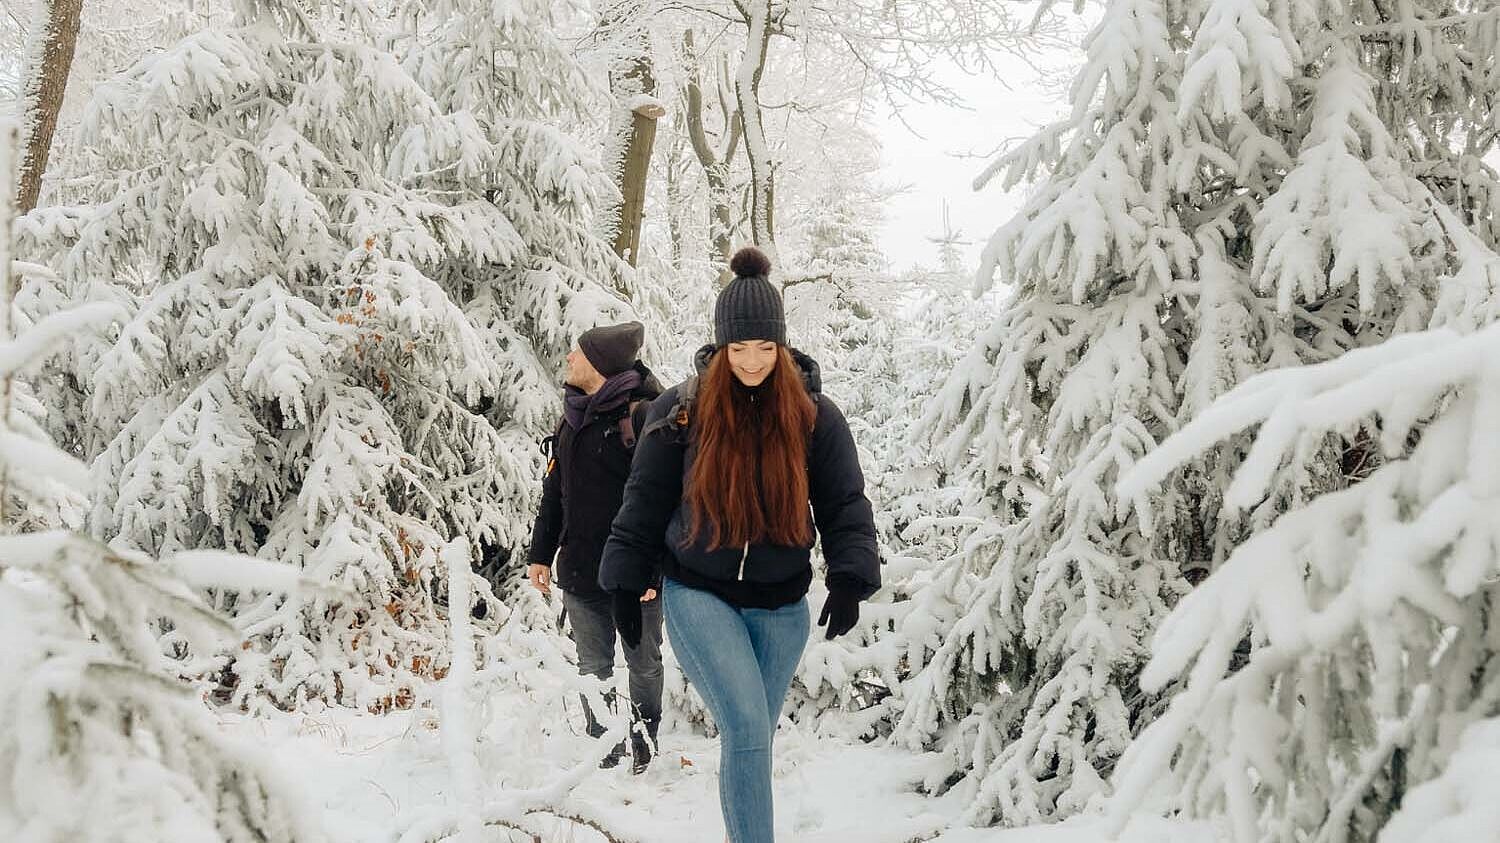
(10, 143)
(632, 129)
(634, 174)
(747, 92)
(716, 163)
(43, 96)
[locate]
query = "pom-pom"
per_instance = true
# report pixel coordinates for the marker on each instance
(750, 262)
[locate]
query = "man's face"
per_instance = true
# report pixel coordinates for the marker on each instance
(752, 362)
(581, 373)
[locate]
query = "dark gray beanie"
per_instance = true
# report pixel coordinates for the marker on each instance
(613, 348)
(749, 307)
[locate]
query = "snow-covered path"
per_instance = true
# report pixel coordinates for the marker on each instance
(371, 775)
(368, 773)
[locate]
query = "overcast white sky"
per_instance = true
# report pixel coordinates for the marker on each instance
(935, 167)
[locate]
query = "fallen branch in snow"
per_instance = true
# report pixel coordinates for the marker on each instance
(510, 814)
(591, 822)
(464, 819)
(596, 825)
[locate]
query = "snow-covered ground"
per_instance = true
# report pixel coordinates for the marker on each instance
(373, 776)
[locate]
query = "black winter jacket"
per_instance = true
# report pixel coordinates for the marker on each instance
(653, 520)
(583, 489)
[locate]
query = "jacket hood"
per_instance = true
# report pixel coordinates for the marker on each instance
(812, 373)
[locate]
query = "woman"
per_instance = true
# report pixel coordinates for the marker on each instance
(718, 496)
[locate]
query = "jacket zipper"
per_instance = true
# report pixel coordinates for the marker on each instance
(743, 556)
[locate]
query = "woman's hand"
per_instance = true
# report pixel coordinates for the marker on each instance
(840, 611)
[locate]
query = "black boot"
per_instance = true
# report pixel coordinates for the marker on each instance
(643, 744)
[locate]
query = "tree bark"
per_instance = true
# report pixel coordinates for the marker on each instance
(634, 174)
(635, 169)
(43, 96)
(632, 131)
(747, 92)
(10, 143)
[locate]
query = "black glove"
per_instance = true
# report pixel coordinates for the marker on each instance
(840, 610)
(627, 612)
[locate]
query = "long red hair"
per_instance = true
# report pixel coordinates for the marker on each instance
(749, 480)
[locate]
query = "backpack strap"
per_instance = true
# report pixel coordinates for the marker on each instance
(548, 446)
(627, 424)
(681, 414)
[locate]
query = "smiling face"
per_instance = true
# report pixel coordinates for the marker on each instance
(752, 361)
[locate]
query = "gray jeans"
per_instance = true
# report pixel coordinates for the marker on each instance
(593, 622)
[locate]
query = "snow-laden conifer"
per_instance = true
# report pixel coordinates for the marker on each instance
(353, 262)
(106, 740)
(1236, 189)
(1338, 662)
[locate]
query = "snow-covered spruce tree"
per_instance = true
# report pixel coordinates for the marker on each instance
(103, 740)
(355, 295)
(922, 514)
(1342, 662)
(839, 232)
(1235, 189)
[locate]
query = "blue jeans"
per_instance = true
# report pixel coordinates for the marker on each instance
(741, 662)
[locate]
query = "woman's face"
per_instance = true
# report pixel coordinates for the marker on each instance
(753, 361)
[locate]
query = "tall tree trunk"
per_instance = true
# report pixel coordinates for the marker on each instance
(10, 144)
(716, 163)
(632, 130)
(747, 92)
(42, 98)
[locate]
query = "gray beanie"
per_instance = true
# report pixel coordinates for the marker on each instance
(749, 307)
(612, 349)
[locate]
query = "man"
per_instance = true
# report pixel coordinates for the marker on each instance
(604, 406)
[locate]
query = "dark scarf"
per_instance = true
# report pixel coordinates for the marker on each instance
(579, 407)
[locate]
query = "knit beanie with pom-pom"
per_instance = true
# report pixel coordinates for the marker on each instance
(749, 307)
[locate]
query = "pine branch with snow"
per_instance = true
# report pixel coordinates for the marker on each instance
(1230, 194)
(349, 347)
(108, 741)
(1304, 713)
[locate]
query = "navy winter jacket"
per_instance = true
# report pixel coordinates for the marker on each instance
(653, 520)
